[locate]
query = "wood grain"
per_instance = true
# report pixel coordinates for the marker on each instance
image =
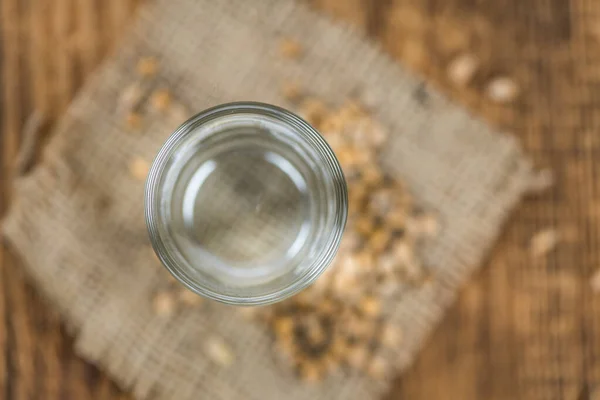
(523, 328)
(11, 95)
(62, 22)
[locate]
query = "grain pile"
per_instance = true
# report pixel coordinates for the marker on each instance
(340, 321)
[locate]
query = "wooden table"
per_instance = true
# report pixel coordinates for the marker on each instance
(522, 328)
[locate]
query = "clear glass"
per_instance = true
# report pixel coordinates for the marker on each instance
(246, 204)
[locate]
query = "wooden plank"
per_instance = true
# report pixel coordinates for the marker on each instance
(63, 24)
(51, 352)
(88, 35)
(4, 370)
(119, 15)
(40, 54)
(11, 96)
(6, 367)
(352, 11)
(21, 332)
(9, 126)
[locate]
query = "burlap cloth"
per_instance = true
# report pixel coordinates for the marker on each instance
(77, 220)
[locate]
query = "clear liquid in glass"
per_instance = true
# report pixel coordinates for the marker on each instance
(241, 206)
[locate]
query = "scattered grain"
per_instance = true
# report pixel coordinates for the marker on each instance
(339, 347)
(381, 202)
(358, 328)
(542, 181)
(403, 252)
(219, 351)
(365, 224)
(313, 110)
(133, 121)
(372, 175)
(543, 242)
(164, 304)
(147, 67)
(396, 219)
(311, 373)
(290, 48)
(462, 69)
(357, 356)
(291, 91)
(315, 332)
(370, 306)
(502, 90)
(161, 100)
(365, 260)
(378, 135)
(327, 307)
(131, 97)
(178, 113)
(379, 240)
(138, 168)
(284, 326)
(348, 285)
(391, 336)
(347, 158)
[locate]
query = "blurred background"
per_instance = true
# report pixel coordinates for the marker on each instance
(522, 327)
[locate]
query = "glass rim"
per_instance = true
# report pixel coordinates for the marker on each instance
(313, 139)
